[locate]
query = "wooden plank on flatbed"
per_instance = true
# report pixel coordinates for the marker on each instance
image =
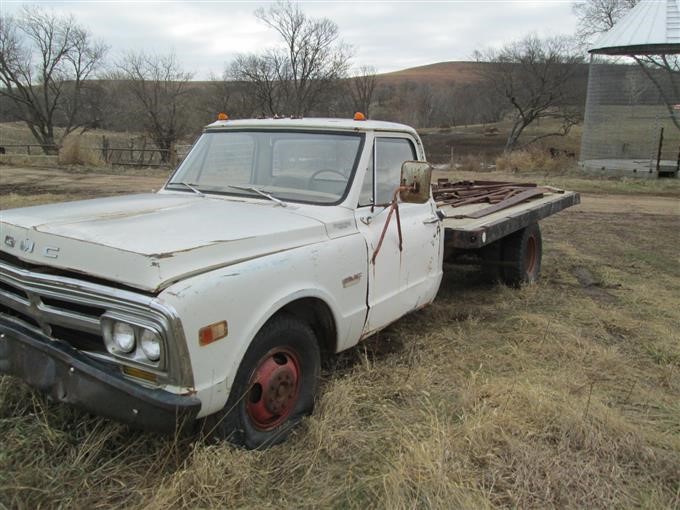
(469, 233)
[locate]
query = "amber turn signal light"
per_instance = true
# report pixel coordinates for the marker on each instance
(213, 332)
(140, 374)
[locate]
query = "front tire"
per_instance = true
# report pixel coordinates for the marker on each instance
(275, 386)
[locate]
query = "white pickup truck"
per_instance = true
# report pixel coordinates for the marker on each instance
(275, 242)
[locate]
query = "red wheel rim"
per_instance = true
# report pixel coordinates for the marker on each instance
(274, 389)
(530, 255)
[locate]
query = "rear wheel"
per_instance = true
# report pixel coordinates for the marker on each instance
(521, 256)
(274, 387)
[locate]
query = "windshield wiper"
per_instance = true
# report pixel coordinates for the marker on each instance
(259, 192)
(191, 187)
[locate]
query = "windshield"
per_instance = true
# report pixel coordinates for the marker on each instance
(302, 166)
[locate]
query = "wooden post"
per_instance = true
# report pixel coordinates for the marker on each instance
(173, 155)
(658, 154)
(142, 152)
(105, 149)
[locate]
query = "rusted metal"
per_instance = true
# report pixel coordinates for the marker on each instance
(414, 187)
(500, 195)
(394, 208)
(505, 203)
(492, 230)
(274, 388)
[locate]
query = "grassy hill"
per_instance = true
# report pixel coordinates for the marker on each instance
(439, 73)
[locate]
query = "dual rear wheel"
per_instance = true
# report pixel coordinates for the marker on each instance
(521, 255)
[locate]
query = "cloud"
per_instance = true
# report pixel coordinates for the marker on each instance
(389, 35)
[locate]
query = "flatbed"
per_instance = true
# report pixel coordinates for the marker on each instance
(463, 232)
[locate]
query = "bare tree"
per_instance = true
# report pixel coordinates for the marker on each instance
(268, 74)
(313, 55)
(536, 78)
(663, 71)
(45, 62)
(597, 16)
(361, 89)
(160, 88)
(635, 86)
(219, 94)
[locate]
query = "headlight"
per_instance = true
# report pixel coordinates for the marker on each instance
(133, 341)
(151, 344)
(123, 337)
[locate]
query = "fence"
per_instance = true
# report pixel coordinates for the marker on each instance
(132, 155)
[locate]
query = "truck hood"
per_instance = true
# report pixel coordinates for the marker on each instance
(150, 241)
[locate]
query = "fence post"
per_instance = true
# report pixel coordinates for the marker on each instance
(142, 151)
(658, 154)
(105, 149)
(173, 155)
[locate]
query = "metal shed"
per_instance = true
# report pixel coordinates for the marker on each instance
(632, 118)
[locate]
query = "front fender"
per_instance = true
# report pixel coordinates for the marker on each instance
(248, 294)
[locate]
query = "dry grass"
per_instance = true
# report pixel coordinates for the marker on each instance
(563, 394)
(73, 152)
(535, 160)
(12, 133)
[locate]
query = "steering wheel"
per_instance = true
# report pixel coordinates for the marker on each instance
(313, 176)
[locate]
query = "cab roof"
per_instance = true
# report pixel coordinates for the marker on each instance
(312, 123)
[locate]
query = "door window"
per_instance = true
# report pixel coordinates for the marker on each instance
(390, 154)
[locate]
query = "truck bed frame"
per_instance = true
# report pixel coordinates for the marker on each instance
(477, 213)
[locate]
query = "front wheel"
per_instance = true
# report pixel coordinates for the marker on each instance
(274, 387)
(521, 256)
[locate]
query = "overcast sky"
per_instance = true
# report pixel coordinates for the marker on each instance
(389, 35)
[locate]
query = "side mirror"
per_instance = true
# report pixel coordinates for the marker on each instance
(415, 182)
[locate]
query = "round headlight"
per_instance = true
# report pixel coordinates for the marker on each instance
(151, 345)
(123, 337)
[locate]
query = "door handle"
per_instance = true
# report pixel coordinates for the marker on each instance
(430, 220)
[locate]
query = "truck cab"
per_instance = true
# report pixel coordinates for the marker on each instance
(212, 301)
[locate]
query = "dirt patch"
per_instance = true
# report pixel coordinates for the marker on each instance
(34, 182)
(593, 286)
(632, 204)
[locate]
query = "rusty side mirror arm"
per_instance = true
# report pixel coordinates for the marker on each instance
(415, 189)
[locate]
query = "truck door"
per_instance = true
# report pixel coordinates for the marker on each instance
(398, 281)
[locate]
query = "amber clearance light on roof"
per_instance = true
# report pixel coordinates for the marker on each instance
(359, 116)
(222, 116)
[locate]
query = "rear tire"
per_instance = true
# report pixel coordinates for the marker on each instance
(521, 254)
(274, 388)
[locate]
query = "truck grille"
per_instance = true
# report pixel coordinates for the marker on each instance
(67, 308)
(57, 316)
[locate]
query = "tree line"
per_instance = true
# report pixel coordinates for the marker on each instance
(55, 74)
